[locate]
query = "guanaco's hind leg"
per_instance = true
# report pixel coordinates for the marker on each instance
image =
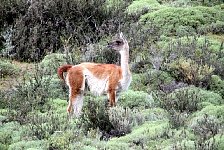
(76, 83)
(111, 96)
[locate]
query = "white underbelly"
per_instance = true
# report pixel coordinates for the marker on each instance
(97, 86)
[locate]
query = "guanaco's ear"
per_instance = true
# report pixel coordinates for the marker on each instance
(121, 35)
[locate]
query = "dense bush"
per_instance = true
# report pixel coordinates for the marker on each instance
(196, 57)
(170, 19)
(183, 102)
(12, 132)
(134, 99)
(150, 80)
(217, 85)
(7, 69)
(30, 94)
(189, 71)
(34, 144)
(139, 7)
(51, 62)
(142, 134)
(41, 25)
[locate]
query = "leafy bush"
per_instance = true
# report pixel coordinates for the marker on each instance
(217, 141)
(153, 114)
(134, 99)
(212, 110)
(150, 80)
(189, 71)
(217, 85)
(121, 119)
(201, 53)
(37, 144)
(12, 132)
(139, 82)
(206, 126)
(190, 98)
(47, 23)
(169, 19)
(7, 69)
(51, 62)
(141, 134)
(95, 115)
(142, 6)
(43, 125)
(32, 93)
(182, 102)
(62, 140)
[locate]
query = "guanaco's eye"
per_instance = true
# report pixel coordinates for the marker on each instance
(118, 42)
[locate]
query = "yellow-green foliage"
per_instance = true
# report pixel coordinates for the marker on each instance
(138, 6)
(170, 19)
(213, 45)
(11, 132)
(189, 71)
(210, 110)
(133, 99)
(7, 69)
(139, 82)
(56, 87)
(195, 95)
(219, 141)
(150, 80)
(35, 144)
(61, 140)
(153, 114)
(113, 4)
(51, 62)
(145, 132)
(217, 85)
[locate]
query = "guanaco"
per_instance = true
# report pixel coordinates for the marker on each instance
(101, 79)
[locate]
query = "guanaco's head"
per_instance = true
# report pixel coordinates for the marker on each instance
(119, 43)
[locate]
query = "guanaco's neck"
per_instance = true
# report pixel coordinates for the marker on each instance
(124, 62)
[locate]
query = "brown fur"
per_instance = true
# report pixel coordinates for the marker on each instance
(76, 76)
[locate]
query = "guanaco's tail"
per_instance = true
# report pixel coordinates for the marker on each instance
(63, 69)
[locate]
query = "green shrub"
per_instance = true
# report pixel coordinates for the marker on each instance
(121, 119)
(212, 110)
(43, 125)
(38, 144)
(31, 94)
(169, 19)
(217, 141)
(56, 88)
(183, 102)
(134, 99)
(3, 147)
(190, 98)
(189, 71)
(51, 62)
(143, 133)
(11, 132)
(8, 69)
(217, 85)
(205, 126)
(153, 114)
(95, 115)
(62, 140)
(156, 78)
(138, 6)
(150, 80)
(139, 82)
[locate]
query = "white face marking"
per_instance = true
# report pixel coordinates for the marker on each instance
(97, 86)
